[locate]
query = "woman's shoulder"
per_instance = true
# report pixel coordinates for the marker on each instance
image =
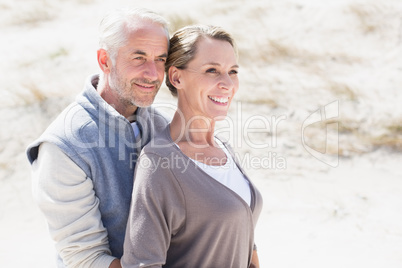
(161, 144)
(223, 141)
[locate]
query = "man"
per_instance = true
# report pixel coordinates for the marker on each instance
(83, 164)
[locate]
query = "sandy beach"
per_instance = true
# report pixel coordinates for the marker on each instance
(317, 122)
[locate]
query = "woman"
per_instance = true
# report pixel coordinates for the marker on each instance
(192, 205)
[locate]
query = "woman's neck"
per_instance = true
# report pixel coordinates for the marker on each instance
(197, 130)
(195, 137)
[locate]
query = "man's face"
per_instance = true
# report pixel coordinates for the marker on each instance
(139, 66)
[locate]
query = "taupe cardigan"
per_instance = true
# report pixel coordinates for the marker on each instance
(182, 217)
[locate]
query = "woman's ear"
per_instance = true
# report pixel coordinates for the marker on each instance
(104, 60)
(175, 76)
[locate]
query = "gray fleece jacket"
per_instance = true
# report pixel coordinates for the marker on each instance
(102, 143)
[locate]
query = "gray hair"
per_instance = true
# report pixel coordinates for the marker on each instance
(116, 25)
(183, 46)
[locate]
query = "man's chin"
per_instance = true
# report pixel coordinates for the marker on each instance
(144, 103)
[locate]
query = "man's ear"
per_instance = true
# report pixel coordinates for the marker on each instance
(175, 76)
(104, 60)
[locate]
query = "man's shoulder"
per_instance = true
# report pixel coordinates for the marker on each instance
(74, 118)
(75, 125)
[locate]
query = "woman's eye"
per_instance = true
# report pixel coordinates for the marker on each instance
(212, 70)
(233, 72)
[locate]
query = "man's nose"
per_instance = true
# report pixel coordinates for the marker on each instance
(151, 71)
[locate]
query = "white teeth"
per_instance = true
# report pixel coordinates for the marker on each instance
(220, 100)
(145, 85)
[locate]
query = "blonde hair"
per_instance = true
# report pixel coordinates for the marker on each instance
(183, 46)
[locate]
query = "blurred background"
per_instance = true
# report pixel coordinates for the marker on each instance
(320, 90)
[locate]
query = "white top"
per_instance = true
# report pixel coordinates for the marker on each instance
(229, 175)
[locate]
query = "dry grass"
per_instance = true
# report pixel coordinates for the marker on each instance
(367, 17)
(273, 51)
(29, 94)
(36, 93)
(392, 138)
(47, 58)
(224, 8)
(269, 52)
(389, 141)
(179, 21)
(352, 139)
(32, 17)
(58, 53)
(4, 165)
(359, 141)
(395, 128)
(348, 127)
(276, 51)
(85, 2)
(258, 13)
(342, 90)
(4, 6)
(264, 101)
(365, 141)
(322, 137)
(345, 126)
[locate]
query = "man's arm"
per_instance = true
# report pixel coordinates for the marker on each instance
(115, 264)
(255, 263)
(67, 199)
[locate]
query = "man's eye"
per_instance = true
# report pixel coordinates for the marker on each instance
(161, 60)
(139, 58)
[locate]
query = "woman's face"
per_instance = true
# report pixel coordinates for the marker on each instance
(210, 81)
